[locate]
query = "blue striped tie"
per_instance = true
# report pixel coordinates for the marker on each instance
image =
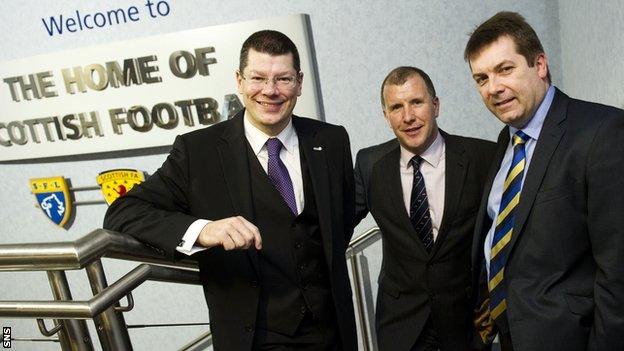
(504, 225)
(419, 206)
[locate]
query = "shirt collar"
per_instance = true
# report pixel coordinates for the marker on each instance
(432, 155)
(534, 127)
(257, 138)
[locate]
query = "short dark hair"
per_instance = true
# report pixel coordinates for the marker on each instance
(269, 42)
(506, 23)
(400, 75)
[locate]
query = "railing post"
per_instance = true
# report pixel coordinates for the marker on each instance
(363, 297)
(362, 288)
(73, 334)
(367, 294)
(110, 324)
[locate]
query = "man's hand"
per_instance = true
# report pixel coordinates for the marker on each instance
(231, 233)
(483, 323)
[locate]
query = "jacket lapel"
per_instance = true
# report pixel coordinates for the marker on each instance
(233, 155)
(390, 165)
(455, 176)
(314, 152)
(483, 222)
(549, 138)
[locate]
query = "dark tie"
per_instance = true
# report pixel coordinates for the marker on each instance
(419, 206)
(279, 174)
(504, 225)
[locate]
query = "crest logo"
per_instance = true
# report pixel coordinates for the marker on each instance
(53, 198)
(115, 183)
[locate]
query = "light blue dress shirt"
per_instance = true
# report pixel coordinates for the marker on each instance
(532, 129)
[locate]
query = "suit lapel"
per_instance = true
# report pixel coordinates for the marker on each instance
(390, 165)
(314, 152)
(233, 155)
(455, 176)
(549, 138)
(482, 224)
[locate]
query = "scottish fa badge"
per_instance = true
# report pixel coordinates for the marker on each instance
(53, 198)
(117, 182)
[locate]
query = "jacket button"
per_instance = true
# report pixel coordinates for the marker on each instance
(298, 245)
(303, 309)
(254, 283)
(248, 328)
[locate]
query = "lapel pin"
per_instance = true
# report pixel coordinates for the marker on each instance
(317, 148)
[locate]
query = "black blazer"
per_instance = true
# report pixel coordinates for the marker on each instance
(206, 175)
(414, 284)
(565, 270)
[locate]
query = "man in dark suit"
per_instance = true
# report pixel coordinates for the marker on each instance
(423, 189)
(550, 231)
(267, 199)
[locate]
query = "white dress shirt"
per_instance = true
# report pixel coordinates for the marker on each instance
(257, 140)
(433, 171)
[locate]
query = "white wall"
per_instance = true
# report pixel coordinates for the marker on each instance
(356, 42)
(592, 37)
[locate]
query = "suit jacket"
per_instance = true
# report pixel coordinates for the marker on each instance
(415, 284)
(206, 175)
(565, 269)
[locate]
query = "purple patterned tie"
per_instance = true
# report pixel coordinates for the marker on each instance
(279, 174)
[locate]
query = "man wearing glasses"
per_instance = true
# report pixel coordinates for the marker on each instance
(265, 203)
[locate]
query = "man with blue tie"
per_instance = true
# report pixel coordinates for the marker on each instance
(423, 188)
(548, 253)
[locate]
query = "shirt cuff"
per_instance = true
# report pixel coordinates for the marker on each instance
(187, 244)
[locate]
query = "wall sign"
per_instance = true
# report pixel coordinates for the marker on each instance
(133, 94)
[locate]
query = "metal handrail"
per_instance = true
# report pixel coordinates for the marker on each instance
(103, 243)
(100, 302)
(363, 241)
(201, 342)
(103, 308)
(79, 253)
(98, 243)
(362, 288)
(87, 251)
